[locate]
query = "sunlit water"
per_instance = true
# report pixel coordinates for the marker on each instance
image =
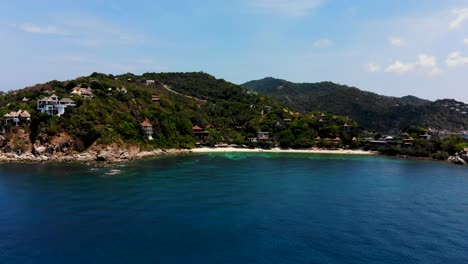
(236, 208)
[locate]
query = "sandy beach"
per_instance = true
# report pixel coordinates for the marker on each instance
(278, 150)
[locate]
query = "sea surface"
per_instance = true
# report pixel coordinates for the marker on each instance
(236, 208)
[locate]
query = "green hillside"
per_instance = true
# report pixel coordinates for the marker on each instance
(227, 112)
(381, 113)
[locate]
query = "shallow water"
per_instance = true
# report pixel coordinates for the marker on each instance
(236, 208)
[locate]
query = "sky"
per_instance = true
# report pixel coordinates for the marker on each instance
(394, 47)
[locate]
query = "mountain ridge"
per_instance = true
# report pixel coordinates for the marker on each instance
(379, 112)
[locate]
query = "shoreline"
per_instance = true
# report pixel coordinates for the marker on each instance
(114, 155)
(108, 156)
(111, 155)
(278, 150)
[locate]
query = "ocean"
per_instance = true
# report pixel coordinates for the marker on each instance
(236, 208)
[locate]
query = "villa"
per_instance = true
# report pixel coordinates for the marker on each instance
(16, 117)
(347, 127)
(53, 106)
(200, 133)
(263, 136)
(425, 136)
(147, 129)
(83, 92)
(155, 98)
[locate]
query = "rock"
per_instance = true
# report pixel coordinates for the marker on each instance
(462, 161)
(39, 150)
(101, 157)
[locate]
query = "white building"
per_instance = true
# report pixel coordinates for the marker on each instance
(53, 106)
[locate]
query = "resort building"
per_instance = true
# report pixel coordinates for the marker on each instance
(83, 92)
(147, 129)
(200, 133)
(16, 118)
(408, 141)
(53, 106)
(347, 127)
(425, 136)
(252, 139)
(155, 98)
(263, 136)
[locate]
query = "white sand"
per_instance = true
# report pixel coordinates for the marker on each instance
(278, 150)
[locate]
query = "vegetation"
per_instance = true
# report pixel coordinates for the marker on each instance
(227, 111)
(433, 148)
(227, 114)
(380, 113)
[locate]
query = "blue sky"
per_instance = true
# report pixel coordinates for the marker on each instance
(390, 47)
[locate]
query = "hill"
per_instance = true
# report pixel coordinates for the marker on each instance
(380, 113)
(154, 111)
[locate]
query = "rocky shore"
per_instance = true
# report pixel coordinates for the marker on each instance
(107, 155)
(460, 158)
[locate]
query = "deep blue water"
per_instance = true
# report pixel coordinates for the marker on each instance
(236, 208)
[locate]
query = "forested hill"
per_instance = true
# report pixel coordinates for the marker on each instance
(172, 103)
(381, 113)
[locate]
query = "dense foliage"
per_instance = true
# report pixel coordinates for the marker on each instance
(380, 113)
(227, 111)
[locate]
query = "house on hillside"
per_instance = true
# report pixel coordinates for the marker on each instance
(321, 123)
(16, 118)
(408, 142)
(252, 139)
(150, 82)
(25, 100)
(200, 133)
(147, 129)
(425, 136)
(346, 127)
(83, 92)
(405, 135)
(263, 136)
(53, 106)
(155, 98)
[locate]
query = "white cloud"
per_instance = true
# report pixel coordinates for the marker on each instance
(36, 29)
(456, 59)
(323, 43)
(398, 42)
(460, 16)
(429, 63)
(371, 67)
(465, 41)
(425, 63)
(400, 67)
(294, 8)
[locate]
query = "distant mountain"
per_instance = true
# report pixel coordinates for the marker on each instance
(381, 113)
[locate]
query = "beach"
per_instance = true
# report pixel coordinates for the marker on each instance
(278, 150)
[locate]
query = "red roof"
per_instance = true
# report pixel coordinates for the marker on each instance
(145, 124)
(197, 128)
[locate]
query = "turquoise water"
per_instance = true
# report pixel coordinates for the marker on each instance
(236, 208)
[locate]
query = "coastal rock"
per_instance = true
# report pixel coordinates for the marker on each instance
(457, 160)
(39, 150)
